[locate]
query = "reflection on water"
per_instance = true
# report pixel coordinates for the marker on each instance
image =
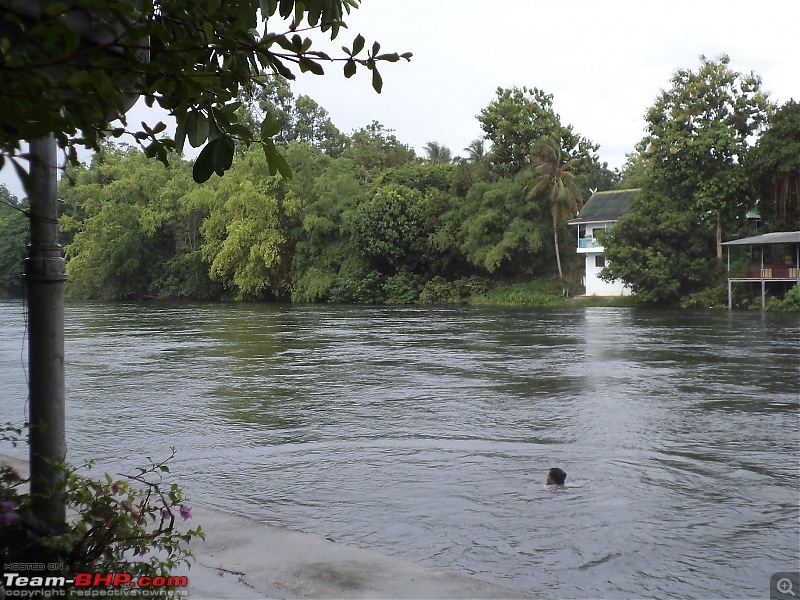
(427, 433)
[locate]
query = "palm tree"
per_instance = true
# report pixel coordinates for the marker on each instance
(476, 151)
(550, 176)
(438, 154)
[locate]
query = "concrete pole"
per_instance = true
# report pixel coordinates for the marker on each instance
(45, 275)
(730, 295)
(730, 298)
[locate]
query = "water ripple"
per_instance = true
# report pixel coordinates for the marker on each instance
(426, 432)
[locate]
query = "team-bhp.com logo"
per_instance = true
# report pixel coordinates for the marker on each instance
(24, 585)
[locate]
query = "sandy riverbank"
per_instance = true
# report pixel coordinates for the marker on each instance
(243, 558)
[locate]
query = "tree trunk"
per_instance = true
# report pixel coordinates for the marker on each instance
(555, 239)
(719, 234)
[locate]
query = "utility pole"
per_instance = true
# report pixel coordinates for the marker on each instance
(45, 274)
(45, 271)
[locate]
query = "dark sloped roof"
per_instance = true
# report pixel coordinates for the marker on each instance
(604, 206)
(777, 237)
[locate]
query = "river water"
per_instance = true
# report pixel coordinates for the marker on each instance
(426, 433)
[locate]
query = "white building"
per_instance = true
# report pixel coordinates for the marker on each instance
(600, 213)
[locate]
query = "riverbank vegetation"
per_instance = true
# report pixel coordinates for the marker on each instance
(363, 219)
(715, 149)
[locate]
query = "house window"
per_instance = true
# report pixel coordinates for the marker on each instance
(599, 261)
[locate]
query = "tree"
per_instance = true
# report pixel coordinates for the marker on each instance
(438, 154)
(68, 68)
(496, 229)
(388, 225)
(551, 176)
(128, 197)
(375, 148)
(775, 168)
(659, 250)
(517, 119)
(476, 151)
(247, 239)
(324, 242)
(297, 119)
(13, 237)
(514, 121)
(191, 58)
(421, 177)
(699, 133)
(634, 173)
(107, 258)
(273, 97)
(314, 126)
(695, 186)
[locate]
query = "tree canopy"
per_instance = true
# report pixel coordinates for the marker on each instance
(775, 168)
(551, 176)
(696, 187)
(514, 121)
(699, 134)
(68, 68)
(13, 239)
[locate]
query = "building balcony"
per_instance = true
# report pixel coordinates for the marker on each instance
(586, 244)
(758, 272)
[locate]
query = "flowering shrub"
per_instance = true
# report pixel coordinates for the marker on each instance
(113, 525)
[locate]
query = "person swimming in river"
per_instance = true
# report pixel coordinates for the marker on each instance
(556, 476)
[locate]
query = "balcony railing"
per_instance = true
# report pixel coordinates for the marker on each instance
(772, 271)
(589, 242)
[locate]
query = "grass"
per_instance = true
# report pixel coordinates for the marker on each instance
(537, 292)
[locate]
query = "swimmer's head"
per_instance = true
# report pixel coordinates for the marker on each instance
(556, 476)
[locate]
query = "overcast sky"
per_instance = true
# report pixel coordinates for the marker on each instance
(604, 63)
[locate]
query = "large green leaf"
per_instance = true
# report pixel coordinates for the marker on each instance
(196, 128)
(204, 165)
(223, 154)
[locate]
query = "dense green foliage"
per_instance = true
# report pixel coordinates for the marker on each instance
(336, 231)
(775, 168)
(69, 68)
(13, 240)
(552, 176)
(362, 219)
(790, 302)
(694, 169)
(659, 250)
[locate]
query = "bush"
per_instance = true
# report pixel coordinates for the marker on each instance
(358, 289)
(403, 288)
(790, 302)
(440, 291)
(313, 286)
(714, 297)
(114, 525)
(542, 292)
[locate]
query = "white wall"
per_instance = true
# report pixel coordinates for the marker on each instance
(596, 286)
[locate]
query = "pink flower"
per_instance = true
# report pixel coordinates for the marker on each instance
(165, 514)
(186, 512)
(8, 513)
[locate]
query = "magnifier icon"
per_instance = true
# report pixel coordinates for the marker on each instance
(784, 586)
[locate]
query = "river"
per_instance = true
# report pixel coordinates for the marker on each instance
(426, 433)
